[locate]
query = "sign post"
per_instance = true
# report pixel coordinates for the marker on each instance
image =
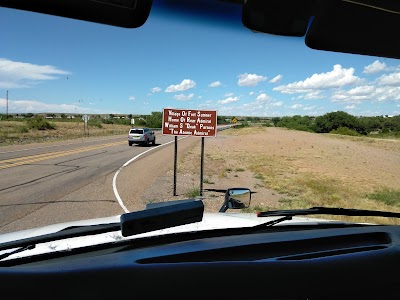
(189, 122)
(175, 161)
(86, 118)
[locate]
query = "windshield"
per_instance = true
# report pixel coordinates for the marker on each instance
(299, 127)
(140, 131)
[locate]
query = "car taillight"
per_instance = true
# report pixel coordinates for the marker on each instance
(144, 136)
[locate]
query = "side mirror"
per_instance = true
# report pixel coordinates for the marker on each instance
(236, 198)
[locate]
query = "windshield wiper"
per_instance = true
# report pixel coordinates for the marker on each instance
(21, 249)
(329, 211)
(163, 216)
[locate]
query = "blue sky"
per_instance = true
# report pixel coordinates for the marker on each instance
(59, 65)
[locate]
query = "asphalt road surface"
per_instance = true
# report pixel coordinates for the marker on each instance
(44, 184)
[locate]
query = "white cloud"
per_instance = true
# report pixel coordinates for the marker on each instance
(156, 89)
(132, 98)
(313, 95)
(33, 106)
(338, 77)
(263, 106)
(186, 84)
(310, 95)
(15, 74)
(277, 103)
(361, 90)
(182, 97)
(350, 107)
(215, 84)
(296, 106)
(250, 79)
(229, 100)
(375, 67)
(228, 95)
(309, 107)
(263, 100)
(391, 79)
(367, 93)
(276, 79)
(251, 93)
(263, 97)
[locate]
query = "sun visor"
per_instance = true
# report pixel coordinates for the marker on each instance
(279, 17)
(121, 13)
(364, 27)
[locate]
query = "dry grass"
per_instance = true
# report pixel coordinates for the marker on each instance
(13, 132)
(306, 169)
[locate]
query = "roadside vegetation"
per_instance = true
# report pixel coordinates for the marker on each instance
(36, 128)
(30, 128)
(343, 123)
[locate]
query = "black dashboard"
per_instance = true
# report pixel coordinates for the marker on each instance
(330, 263)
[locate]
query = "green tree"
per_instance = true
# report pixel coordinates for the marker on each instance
(154, 120)
(392, 123)
(334, 120)
(276, 120)
(296, 122)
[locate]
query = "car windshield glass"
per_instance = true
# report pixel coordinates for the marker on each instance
(140, 131)
(225, 106)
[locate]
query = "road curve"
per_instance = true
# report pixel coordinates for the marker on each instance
(64, 181)
(42, 184)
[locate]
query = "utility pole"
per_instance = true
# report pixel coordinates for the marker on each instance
(7, 106)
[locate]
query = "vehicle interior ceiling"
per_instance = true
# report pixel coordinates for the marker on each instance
(263, 266)
(365, 27)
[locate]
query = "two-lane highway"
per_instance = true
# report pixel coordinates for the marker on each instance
(63, 181)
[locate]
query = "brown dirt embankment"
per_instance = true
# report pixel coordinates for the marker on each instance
(284, 169)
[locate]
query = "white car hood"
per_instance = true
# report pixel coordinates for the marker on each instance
(210, 221)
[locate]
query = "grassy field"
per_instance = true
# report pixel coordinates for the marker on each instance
(18, 133)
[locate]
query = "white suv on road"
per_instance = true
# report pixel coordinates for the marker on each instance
(142, 136)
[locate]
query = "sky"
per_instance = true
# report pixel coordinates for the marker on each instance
(57, 65)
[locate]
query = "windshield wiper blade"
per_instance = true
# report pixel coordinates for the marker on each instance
(168, 215)
(329, 211)
(21, 249)
(66, 233)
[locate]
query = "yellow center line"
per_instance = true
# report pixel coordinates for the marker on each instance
(14, 162)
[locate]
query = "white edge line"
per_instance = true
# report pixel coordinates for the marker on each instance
(121, 203)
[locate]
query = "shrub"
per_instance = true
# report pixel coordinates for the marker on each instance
(95, 123)
(23, 129)
(39, 123)
(345, 131)
(387, 196)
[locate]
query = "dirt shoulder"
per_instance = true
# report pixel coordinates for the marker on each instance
(283, 168)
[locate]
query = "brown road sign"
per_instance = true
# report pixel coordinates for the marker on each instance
(189, 122)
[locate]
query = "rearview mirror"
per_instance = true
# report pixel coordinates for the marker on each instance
(121, 13)
(236, 198)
